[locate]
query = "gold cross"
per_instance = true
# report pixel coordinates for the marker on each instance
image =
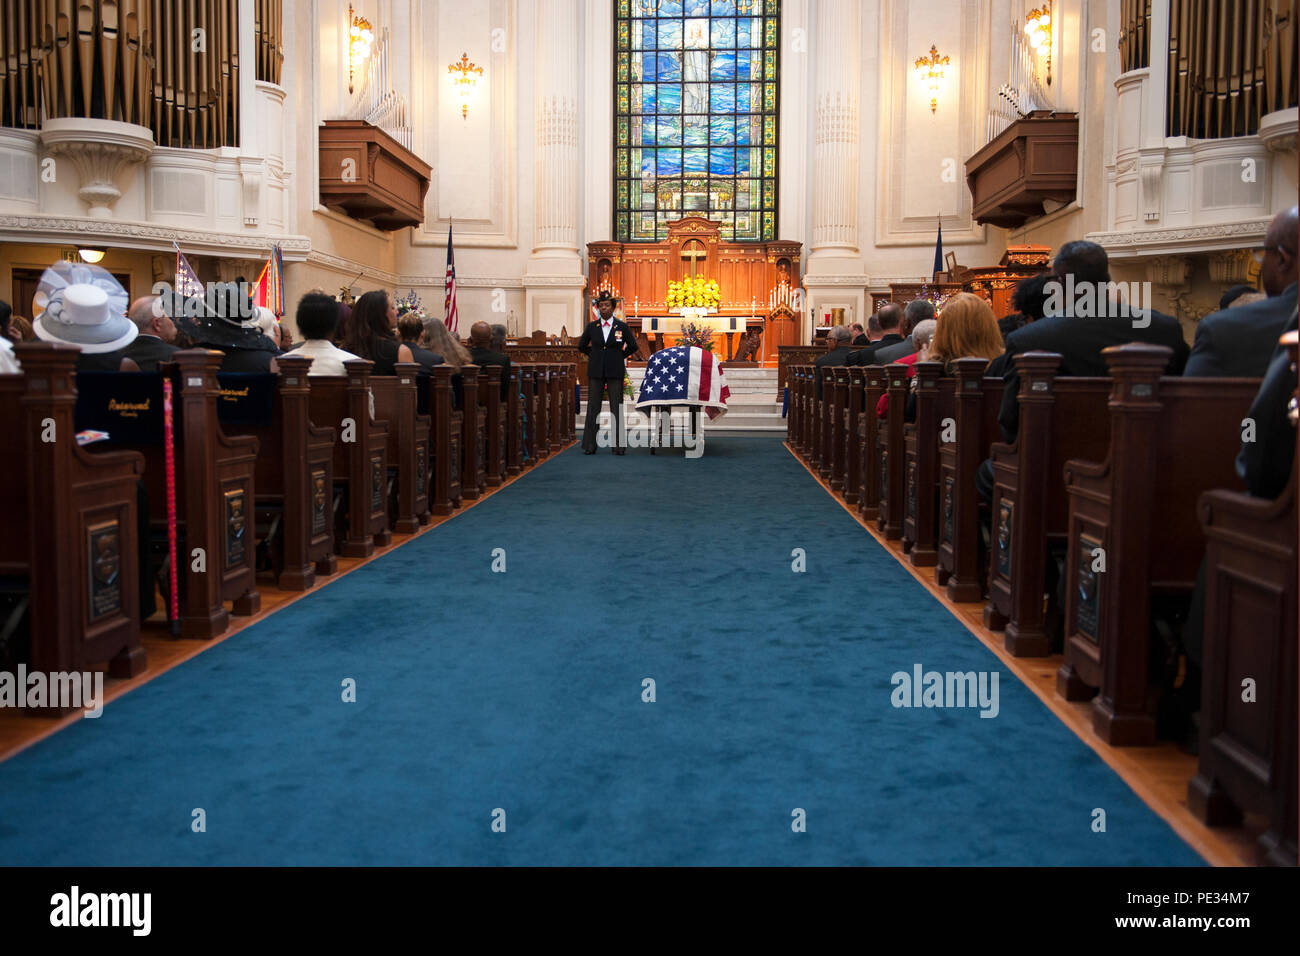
(694, 251)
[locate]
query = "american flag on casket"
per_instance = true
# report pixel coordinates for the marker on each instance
(685, 375)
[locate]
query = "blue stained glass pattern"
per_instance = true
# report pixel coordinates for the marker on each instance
(696, 107)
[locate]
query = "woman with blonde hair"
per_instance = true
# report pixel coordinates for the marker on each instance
(966, 329)
(438, 339)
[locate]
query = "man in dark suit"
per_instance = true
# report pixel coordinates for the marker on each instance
(860, 339)
(1239, 342)
(837, 353)
(155, 341)
(917, 311)
(607, 342)
(1082, 319)
(481, 353)
(891, 319)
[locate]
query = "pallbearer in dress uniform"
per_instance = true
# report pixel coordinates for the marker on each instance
(607, 342)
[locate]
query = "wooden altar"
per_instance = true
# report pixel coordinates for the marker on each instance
(758, 282)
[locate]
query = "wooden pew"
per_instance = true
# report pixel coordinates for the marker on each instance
(889, 452)
(554, 407)
(541, 428)
(294, 477)
(868, 431)
(360, 465)
(825, 422)
(921, 440)
(794, 432)
(1170, 439)
(853, 411)
(494, 423)
(839, 387)
(445, 438)
(215, 495)
(1247, 755)
(514, 423)
(976, 401)
(473, 477)
(570, 409)
(1060, 419)
(396, 398)
(71, 541)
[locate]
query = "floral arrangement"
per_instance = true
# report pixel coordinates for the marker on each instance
(627, 386)
(701, 338)
(409, 303)
(694, 292)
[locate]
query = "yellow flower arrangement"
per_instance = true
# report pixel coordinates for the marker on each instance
(694, 292)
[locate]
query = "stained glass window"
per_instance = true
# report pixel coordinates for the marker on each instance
(695, 116)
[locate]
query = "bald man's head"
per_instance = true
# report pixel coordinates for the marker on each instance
(151, 318)
(1279, 266)
(480, 335)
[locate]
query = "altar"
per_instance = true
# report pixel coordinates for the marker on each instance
(760, 303)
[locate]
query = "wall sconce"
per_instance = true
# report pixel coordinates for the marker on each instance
(464, 75)
(360, 36)
(91, 254)
(1038, 27)
(930, 70)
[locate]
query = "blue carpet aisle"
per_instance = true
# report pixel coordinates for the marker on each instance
(522, 691)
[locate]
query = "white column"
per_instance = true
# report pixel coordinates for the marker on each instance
(835, 277)
(554, 280)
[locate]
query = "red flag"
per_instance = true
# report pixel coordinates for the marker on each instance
(449, 287)
(268, 291)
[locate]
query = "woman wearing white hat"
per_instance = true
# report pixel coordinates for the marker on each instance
(83, 305)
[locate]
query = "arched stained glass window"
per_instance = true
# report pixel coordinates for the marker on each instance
(695, 112)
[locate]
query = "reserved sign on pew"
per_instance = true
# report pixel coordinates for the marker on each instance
(127, 405)
(247, 398)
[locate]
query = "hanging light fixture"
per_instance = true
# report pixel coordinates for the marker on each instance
(465, 76)
(930, 70)
(1038, 28)
(360, 36)
(91, 254)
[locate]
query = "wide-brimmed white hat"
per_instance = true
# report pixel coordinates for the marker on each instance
(80, 304)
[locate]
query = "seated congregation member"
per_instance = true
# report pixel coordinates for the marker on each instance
(837, 353)
(83, 305)
(1028, 301)
(966, 329)
(890, 317)
(923, 336)
(156, 340)
(410, 330)
(1239, 341)
(1079, 338)
(372, 333)
(20, 329)
(317, 318)
(917, 311)
(480, 350)
(1265, 464)
(860, 339)
(8, 361)
(440, 340)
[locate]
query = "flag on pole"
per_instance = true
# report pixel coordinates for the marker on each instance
(449, 287)
(187, 280)
(268, 291)
(938, 252)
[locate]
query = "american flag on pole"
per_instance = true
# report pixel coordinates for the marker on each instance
(449, 286)
(685, 375)
(187, 280)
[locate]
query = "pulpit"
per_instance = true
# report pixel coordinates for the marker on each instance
(758, 283)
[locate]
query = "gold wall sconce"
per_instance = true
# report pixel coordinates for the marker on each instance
(930, 70)
(360, 36)
(465, 76)
(1038, 27)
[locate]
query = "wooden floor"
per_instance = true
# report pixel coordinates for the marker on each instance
(19, 729)
(1158, 775)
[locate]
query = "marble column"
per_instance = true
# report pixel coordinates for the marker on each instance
(554, 279)
(835, 277)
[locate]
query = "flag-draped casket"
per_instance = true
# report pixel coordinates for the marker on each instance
(685, 375)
